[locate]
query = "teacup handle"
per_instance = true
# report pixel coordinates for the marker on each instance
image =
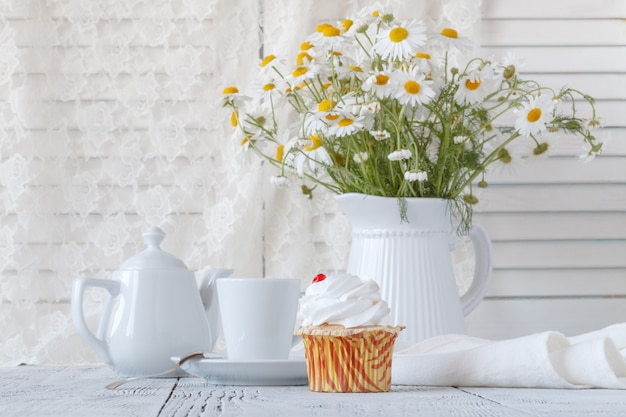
(98, 343)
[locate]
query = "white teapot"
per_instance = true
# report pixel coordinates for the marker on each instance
(154, 311)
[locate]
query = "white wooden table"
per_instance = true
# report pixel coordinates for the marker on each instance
(30, 391)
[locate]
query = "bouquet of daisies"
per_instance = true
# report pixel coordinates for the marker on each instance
(373, 105)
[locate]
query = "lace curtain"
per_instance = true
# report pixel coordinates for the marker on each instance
(110, 122)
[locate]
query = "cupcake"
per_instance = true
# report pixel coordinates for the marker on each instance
(346, 344)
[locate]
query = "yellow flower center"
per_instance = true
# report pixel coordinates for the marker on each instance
(324, 105)
(346, 24)
(472, 85)
(398, 34)
(330, 31)
(267, 60)
(301, 57)
(337, 53)
(234, 118)
(299, 71)
(381, 79)
(332, 116)
(279, 153)
(316, 142)
(450, 33)
(412, 87)
(269, 87)
(345, 122)
(320, 28)
(355, 68)
(534, 115)
(375, 13)
(230, 90)
(422, 55)
(245, 140)
(305, 46)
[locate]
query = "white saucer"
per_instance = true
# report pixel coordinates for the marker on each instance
(261, 372)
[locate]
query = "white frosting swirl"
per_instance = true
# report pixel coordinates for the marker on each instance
(342, 299)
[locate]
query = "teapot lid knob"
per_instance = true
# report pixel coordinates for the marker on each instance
(153, 237)
(153, 257)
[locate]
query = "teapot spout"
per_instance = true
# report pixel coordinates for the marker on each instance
(208, 294)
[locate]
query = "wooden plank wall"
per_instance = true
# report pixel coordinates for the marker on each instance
(559, 227)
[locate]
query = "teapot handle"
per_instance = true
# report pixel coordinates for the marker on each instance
(482, 269)
(210, 302)
(97, 342)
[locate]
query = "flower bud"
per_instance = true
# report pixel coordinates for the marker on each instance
(470, 199)
(509, 72)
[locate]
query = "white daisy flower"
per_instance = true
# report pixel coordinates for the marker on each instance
(231, 95)
(413, 87)
(459, 139)
(423, 59)
(340, 64)
(399, 155)
(302, 73)
(307, 156)
(317, 156)
(371, 108)
(449, 38)
(590, 152)
(378, 84)
(474, 86)
(380, 135)
(413, 176)
(360, 157)
(356, 72)
(258, 120)
(315, 123)
(327, 35)
(270, 67)
(400, 41)
(280, 181)
(534, 115)
(509, 161)
(509, 66)
(347, 124)
(508, 158)
(368, 114)
(268, 91)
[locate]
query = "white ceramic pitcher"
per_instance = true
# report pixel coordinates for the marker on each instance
(411, 261)
(154, 311)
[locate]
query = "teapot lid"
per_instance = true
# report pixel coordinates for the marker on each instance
(153, 257)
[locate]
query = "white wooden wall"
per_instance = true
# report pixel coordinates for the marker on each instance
(559, 227)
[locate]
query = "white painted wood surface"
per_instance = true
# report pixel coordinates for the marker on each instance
(79, 391)
(559, 226)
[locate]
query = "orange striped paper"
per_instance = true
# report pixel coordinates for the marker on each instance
(359, 362)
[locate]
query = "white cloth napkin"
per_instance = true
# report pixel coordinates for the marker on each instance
(543, 360)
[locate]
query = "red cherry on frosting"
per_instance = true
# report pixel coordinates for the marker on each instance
(319, 278)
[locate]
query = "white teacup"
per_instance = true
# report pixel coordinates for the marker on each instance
(258, 316)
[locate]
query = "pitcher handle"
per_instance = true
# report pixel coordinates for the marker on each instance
(482, 269)
(98, 343)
